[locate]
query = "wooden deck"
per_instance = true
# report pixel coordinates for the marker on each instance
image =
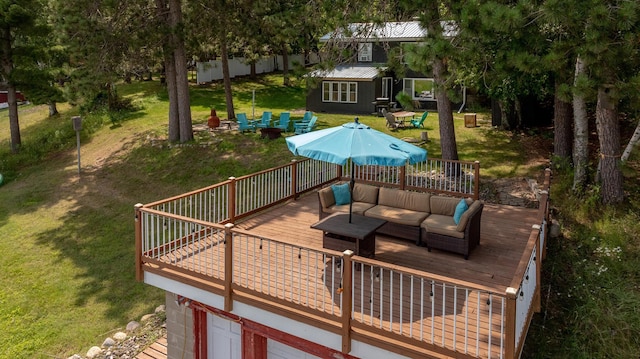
(504, 234)
(157, 350)
(449, 320)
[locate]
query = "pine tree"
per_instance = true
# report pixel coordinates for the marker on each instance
(20, 25)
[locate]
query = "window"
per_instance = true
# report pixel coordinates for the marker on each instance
(365, 52)
(340, 91)
(419, 89)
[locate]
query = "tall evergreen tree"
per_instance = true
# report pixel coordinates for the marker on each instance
(20, 24)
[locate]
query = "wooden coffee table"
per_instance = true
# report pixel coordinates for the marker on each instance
(358, 236)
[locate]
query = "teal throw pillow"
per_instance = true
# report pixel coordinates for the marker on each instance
(460, 208)
(341, 193)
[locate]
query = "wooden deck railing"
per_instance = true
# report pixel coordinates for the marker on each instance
(180, 235)
(231, 200)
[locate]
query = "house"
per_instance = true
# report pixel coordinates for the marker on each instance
(365, 84)
(4, 100)
(246, 277)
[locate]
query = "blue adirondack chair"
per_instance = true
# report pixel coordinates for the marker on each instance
(265, 120)
(305, 119)
(419, 122)
(283, 121)
(244, 124)
(305, 127)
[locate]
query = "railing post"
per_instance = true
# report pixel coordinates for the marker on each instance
(537, 296)
(294, 178)
(476, 180)
(510, 323)
(403, 177)
(346, 301)
(138, 233)
(232, 199)
(228, 267)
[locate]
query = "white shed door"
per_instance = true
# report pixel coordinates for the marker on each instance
(224, 338)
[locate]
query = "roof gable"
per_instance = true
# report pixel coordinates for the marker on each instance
(405, 31)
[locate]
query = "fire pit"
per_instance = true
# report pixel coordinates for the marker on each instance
(271, 132)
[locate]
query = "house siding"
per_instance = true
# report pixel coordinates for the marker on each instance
(366, 94)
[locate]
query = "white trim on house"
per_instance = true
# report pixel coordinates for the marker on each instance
(340, 91)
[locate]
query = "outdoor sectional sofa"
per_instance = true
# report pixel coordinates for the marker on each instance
(425, 218)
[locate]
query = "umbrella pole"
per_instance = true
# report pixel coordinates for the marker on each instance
(351, 193)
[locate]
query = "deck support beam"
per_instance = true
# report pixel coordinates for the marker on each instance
(228, 267)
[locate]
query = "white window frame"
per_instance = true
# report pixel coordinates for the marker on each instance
(409, 86)
(340, 91)
(365, 52)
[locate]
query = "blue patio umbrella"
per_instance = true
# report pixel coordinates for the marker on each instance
(356, 142)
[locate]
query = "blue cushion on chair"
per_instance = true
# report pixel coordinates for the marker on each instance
(460, 209)
(341, 193)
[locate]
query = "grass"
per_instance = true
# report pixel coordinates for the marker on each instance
(67, 240)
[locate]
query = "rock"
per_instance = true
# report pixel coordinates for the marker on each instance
(75, 356)
(120, 336)
(160, 309)
(109, 342)
(554, 229)
(93, 352)
(146, 317)
(132, 325)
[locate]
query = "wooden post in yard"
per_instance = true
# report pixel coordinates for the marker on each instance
(510, 324)
(138, 234)
(228, 267)
(346, 301)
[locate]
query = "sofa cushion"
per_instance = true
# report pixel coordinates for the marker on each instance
(365, 193)
(357, 208)
(326, 197)
(443, 205)
(461, 207)
(397, 215)
(441, 224)
(414, 201)
(341, 193)
(464, 219)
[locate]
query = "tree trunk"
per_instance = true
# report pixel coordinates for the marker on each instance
(632, 143)
(448, 144)
(53, 109)
(580, 131)
(562, 131)
(609, 137)
(6, 63)
(169, 74)
(14, 124)
(226, 78)
(182, 74)
(285, 66)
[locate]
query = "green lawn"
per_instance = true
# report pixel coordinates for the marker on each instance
(67, 240)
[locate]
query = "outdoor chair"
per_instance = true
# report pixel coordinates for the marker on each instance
(265, 120)
(305, 119)
(244, 124)
(283, 121)
(304, 128)
(392, 123)
(419, 123)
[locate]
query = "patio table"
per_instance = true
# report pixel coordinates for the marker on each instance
(404, 115)
(359, 235)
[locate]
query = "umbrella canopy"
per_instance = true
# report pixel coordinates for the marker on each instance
(358, 142)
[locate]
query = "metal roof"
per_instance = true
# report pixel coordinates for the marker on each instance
(395, 31)
(350, 72)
